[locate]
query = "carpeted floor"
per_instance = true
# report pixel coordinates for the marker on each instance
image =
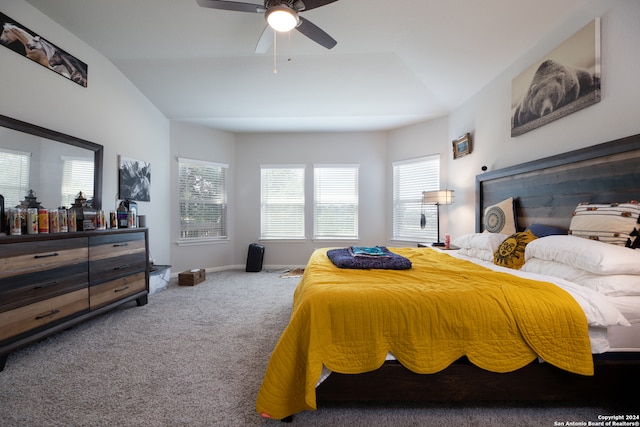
(195, 356)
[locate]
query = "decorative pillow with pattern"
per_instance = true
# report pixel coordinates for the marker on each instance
(511, 251)
(501, 218)
(614, 223)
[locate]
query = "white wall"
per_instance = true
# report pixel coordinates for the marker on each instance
(196, 142)
(487, 114)
(110, 111)
(422, 139)
(253, 150)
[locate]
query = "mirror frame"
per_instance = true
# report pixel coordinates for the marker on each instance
(97, 149)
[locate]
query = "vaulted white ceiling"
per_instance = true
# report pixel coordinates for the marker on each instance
(396, 62)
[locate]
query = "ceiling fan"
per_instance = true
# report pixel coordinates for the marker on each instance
(281, 16)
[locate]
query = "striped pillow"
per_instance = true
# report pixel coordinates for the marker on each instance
(615, 223)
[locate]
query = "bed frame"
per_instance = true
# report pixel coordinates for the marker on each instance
(546, 191)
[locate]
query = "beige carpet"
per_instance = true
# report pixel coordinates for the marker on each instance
(195, 356)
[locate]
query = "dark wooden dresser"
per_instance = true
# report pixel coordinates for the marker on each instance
(49, 282)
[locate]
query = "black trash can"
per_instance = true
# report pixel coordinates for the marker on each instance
(255, 257)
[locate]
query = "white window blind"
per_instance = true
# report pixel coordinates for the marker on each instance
(77, 176)
(282, 202)
(410, 179)
(335, 202)
(203, 199)
(14, 176)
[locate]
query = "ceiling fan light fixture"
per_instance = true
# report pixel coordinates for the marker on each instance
(282, 18)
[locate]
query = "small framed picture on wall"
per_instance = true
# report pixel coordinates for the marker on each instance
(462, 146)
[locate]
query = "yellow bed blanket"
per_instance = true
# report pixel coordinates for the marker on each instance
(427, 317)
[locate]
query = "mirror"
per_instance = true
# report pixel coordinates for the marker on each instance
(56, 164)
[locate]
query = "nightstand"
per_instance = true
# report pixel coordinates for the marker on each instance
(443, 248)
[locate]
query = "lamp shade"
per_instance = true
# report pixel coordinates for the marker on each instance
(281, 18)
(437, 197)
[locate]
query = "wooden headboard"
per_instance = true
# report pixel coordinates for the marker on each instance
(546, 191)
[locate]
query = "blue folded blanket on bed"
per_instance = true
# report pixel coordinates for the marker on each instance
(344, 258)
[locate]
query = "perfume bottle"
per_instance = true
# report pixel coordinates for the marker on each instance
(122, 215)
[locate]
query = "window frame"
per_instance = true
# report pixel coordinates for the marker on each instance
(354, 192)
(222, 203)
(270, 202)
(408, 205)
(68, 180)
(22, 189)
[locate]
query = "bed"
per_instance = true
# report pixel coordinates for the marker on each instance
(589, 353)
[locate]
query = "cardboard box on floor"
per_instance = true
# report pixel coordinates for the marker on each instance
(191, 277)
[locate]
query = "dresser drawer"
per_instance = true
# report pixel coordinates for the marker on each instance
(103, 247)
(31, 257)
(23, 319)
(114, 268)
(33, 287)
(105, 293)
(115, 256)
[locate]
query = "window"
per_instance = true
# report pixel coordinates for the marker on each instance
(335, 202)
(410, 179)
(77, 176)
(14, 176)
(282, 202)
(203, 200)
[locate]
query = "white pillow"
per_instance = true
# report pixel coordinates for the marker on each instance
(589, 255)
(486, 241)
(479, 245)
(607, 284)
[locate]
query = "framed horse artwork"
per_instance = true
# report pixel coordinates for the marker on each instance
(30, 45)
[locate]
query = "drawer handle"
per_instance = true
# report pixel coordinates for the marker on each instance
(48, 314)
(46, 256)
(119, 245)
(46, 285)
(122, 267)
(124, 288)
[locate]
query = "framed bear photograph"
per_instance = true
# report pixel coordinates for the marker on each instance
(564, 81)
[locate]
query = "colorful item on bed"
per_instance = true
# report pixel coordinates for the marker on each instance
(387, 260)
(428, 316)
(367, 251)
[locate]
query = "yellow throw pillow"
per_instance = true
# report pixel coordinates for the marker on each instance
(511, 251)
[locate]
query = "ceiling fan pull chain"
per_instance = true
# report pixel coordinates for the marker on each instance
(275, 52)
(289, 58)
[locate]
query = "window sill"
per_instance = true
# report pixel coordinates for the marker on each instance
(336, 239)
(201, 241)
(283, 240)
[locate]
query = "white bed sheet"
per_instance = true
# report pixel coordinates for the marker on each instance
(629, 306)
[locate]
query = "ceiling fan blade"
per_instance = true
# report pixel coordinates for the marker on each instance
(232, 5)
(312, 4)
(266, 40)
(316, 34)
